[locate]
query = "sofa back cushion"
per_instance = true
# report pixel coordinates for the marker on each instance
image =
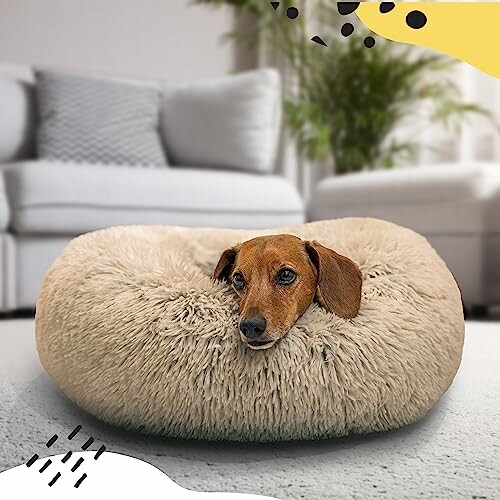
(95, 120)
(231, 122)
(16, 119)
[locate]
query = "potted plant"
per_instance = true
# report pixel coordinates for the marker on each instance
(349, 99)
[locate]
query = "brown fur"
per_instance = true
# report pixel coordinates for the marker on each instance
(322, 274)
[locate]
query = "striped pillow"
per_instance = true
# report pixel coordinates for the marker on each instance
(97, 121)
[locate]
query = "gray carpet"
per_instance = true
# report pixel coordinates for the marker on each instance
(453, 453)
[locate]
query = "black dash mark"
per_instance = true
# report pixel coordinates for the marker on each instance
(80, 481)
(100, 451)
(45, 465)
(275, 5)
(319, 40)
(54, 479)
(87, 443)
(75, 431)
(77, 464)
(66, 457)
(52, 440)
(32, 460)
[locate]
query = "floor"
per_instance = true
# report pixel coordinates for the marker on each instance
(453, 453)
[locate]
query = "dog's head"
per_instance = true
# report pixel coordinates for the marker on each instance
(278, 277)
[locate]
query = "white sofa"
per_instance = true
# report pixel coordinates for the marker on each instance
(456, 206)
(43, 204)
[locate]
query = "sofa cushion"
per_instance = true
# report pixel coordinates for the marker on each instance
(16, 119)
(231, 122)
(435, 199)
(98, 120)
(63, 198)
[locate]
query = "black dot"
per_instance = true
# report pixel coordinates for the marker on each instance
(346, 8)
(369, 42)
(416, 19)
(347, 29)
(386, 7)
(292, 12)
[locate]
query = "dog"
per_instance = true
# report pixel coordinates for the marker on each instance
(278, 277)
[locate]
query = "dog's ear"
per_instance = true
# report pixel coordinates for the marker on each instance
(339, 281)
(225, 265)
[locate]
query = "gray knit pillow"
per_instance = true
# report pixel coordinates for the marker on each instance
(97, 121)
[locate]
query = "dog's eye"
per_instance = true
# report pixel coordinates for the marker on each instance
(238, 281)
(286, 276)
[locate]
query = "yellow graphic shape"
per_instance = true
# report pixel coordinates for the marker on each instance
(468, 31)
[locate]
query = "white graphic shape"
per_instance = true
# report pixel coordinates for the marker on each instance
(111, 476)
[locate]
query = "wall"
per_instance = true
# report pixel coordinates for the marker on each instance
(169, 39)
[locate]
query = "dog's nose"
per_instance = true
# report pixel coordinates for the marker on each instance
(253, 328)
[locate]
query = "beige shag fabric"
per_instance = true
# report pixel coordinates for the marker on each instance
(132, 328)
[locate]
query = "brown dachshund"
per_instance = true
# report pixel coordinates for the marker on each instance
(278, 277)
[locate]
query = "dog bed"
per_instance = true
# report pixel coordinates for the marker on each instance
(131, 326)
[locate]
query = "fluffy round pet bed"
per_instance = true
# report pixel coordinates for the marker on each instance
(131, 326)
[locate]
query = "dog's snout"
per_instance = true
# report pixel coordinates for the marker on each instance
(253, 328)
